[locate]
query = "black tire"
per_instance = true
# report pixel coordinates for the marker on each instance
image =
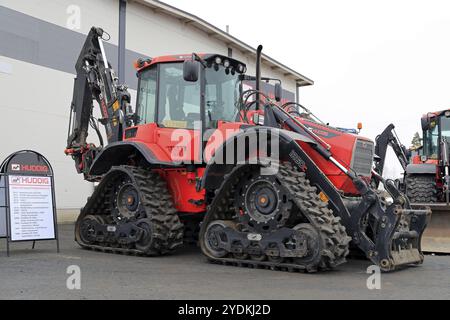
(421, 188)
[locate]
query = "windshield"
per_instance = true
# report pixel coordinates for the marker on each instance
(221, 95)
(445, 127)
(431, 136)
(173, 102)
(431, 140)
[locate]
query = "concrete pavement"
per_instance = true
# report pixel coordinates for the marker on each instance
(41, 274)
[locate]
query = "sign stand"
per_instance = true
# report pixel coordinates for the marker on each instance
(27, 199)
(3, 211)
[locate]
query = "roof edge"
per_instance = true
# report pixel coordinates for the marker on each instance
(187, 17)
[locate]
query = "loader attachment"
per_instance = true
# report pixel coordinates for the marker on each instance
(388, 231)
(436, 238)
(397, 240)
(383, 225)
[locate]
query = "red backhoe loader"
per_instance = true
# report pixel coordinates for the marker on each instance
(267, 184)
(426, 175)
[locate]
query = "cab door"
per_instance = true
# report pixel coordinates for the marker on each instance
(166, 100)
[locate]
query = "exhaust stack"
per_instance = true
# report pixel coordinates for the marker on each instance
(258, 73)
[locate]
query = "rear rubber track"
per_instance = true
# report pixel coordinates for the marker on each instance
(157, 203)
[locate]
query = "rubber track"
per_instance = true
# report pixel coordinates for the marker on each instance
(154, 196)
(334, 238)
(421, 189)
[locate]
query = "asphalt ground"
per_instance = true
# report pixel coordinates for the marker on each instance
(42, 274)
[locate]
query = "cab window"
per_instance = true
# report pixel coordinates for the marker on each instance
(432, 140)
(179, 100)
(146, 99)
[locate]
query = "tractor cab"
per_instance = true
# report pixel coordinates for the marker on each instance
(436, 135)
(184, 93)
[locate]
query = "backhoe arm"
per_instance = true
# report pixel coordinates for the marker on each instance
(382, 142)
(95, 81)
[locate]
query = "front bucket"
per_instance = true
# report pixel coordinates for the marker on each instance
(436, 238)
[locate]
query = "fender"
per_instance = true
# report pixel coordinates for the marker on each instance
(217, 168)
(116, 154)
(424, 168)
(289, 150)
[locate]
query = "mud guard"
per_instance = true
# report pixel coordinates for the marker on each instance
(290, 151)
(116, 154)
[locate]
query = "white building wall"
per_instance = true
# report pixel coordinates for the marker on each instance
(156, 34)
(102, 13)
(34, 107)
(35, 100)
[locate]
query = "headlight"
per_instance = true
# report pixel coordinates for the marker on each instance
(241, 68)
(218, 60)
(226, 63)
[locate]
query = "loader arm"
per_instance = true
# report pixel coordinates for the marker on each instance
(371, 207)
(96, 81)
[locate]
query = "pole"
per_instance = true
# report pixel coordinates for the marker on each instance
(122, 41)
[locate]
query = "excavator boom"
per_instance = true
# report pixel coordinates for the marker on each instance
(96, 81)
(389, 138)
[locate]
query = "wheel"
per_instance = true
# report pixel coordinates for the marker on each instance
(215, 236)
(421, 188)
(306, 237)
(275, 259)
(145, 243)
(88, 226)
(262, 203)
(127, 201)
(256, 256)
(240, 256)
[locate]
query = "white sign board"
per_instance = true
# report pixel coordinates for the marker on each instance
(31, 208)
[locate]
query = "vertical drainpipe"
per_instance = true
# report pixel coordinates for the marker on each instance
(297, 95)
(122, 37)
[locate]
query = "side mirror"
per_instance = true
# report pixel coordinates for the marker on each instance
(278, 92)
(190, 70)
(425, 123)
